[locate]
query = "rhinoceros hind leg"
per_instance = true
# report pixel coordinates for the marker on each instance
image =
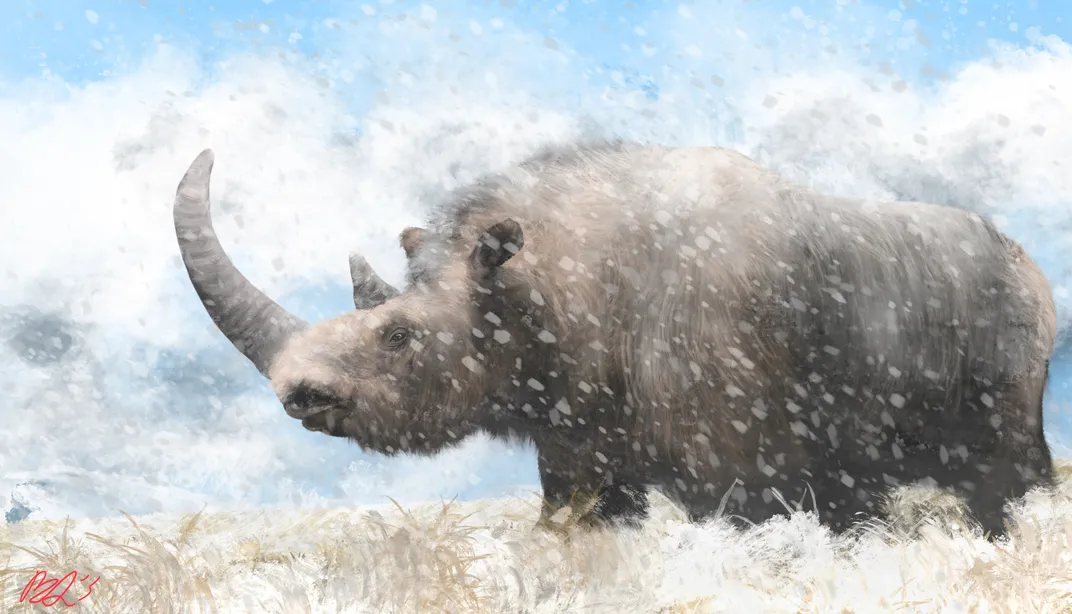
(1009, 458)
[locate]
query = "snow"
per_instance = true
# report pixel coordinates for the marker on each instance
(484, 556)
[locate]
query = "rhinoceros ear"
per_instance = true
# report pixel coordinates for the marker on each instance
(497, 245)
(410, 238)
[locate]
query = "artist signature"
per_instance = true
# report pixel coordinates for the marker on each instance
(41, 589)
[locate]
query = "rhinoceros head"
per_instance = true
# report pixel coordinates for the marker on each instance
(406, 372)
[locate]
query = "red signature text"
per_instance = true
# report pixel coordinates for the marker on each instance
(42, 589)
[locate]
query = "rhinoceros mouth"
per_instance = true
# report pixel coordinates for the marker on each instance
(327, 420)
(316, 423)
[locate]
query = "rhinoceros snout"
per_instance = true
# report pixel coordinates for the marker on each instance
(303, 400)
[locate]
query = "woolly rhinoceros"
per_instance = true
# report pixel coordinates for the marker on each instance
(675, 318)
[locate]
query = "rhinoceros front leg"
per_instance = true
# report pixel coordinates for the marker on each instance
(576, 494)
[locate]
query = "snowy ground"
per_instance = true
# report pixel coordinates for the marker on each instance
(483, 557)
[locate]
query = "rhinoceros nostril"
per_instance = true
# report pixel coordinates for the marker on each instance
(304, 400)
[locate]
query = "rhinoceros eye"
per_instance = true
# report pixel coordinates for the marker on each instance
(396, 337)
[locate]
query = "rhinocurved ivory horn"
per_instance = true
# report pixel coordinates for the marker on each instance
(255, 324)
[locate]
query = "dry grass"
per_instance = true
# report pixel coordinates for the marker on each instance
(483, 557)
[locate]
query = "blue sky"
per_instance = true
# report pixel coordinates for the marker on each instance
(86, 41)
(116, 98)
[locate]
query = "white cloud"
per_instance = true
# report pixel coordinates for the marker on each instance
(142, 405)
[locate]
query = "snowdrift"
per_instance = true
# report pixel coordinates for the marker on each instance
(482, 556)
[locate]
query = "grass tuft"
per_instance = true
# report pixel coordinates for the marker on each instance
(484, 556)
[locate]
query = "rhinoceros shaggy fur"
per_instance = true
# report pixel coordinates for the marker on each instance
(676, 318)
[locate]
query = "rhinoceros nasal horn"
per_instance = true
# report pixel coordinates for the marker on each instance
(250, 320)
